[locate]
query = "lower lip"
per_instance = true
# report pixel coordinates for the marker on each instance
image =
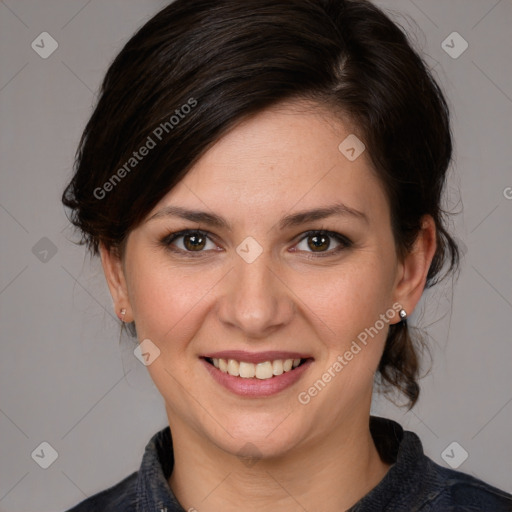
(257, 387)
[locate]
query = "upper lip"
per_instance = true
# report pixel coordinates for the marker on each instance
(255, 357)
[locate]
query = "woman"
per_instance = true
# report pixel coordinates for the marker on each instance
(262, 181)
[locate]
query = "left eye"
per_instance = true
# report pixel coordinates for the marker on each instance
(320, 241)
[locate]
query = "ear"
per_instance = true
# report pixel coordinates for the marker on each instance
(114, 274)
(412, 275)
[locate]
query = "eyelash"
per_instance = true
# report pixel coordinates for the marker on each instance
(346, 243)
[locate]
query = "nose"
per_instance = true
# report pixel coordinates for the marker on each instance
(256, 300)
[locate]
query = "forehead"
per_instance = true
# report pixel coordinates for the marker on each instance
(283, 159)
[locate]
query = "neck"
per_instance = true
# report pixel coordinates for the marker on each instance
(335, 470)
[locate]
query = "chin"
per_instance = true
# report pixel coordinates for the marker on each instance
(257, 437)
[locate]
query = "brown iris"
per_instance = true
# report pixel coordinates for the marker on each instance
(319, 241)
(197, 241)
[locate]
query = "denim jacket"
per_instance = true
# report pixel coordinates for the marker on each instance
(413, 483)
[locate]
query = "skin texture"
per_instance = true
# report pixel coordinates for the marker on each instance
(281, 161)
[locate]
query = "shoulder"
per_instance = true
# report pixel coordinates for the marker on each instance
(416, 483)
(120, 497)
(456, 491)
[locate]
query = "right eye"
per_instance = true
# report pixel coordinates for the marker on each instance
(192, 241)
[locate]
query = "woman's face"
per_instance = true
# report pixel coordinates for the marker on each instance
(258, 288)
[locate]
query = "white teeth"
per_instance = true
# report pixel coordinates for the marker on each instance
(247, 370)
(277, 367)
(233, 368)
(263, 371)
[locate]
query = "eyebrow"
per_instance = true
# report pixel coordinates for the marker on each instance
(294, 219)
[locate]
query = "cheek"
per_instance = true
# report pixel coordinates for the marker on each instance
(166, 300)
(153, 295)
(351, 298)
(355, 310)
(354, 315)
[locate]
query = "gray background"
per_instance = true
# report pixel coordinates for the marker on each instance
(67, 378)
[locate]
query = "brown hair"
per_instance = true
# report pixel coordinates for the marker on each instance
(200, 66)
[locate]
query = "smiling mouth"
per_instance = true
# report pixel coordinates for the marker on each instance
(263, 371)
